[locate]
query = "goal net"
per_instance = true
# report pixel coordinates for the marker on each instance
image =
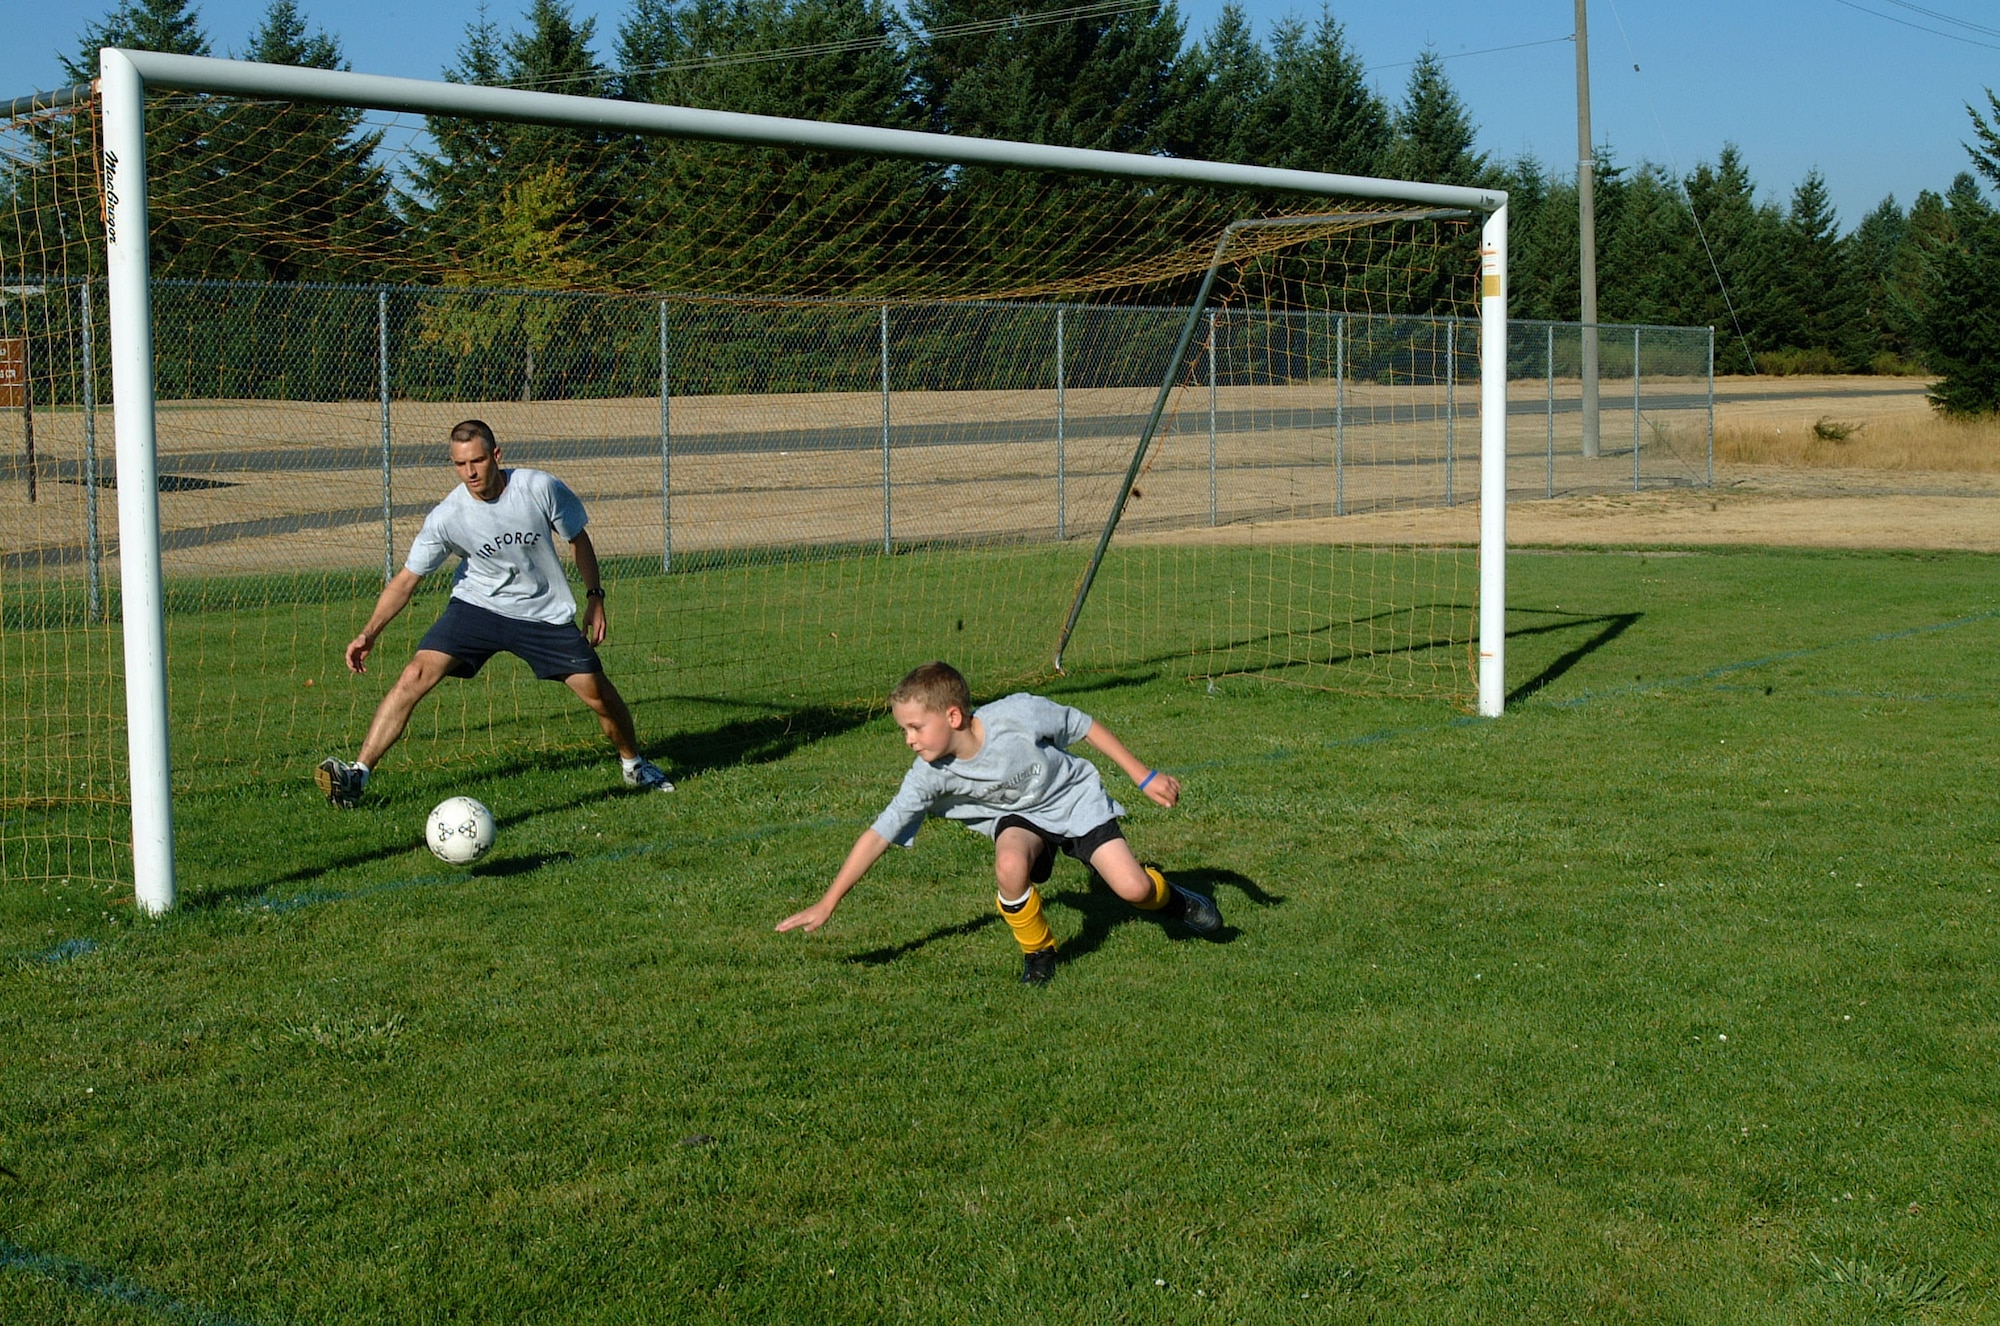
(838, 401)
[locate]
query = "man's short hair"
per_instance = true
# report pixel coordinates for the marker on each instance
(474, 430)
(935, 686)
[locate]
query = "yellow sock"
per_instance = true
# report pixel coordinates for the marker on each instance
(1031, 928)
(1160, 892)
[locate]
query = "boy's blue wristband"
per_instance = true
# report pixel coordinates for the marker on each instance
(1151, 774)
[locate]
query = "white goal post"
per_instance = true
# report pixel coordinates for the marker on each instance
(127, 77)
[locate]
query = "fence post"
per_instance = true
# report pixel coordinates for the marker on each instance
(1711, 407)
(93, 543)
(1450, 411)
(1211, 417)
(1549, 365)
(1635, 409)
(666, 451)
(382, 383)
(887, 534)
(1062, 503)
(1340, 415)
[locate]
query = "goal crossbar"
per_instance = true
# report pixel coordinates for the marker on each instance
(126, 76)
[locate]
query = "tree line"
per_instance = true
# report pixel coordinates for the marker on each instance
(303, 194)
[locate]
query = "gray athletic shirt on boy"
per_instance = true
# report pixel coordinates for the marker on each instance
(1021, 770)
(511, 566)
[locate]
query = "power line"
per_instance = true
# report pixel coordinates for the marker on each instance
(1929, 13)
(1490, 50)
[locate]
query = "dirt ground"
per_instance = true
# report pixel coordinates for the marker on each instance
(1820, 507)
(779, 497)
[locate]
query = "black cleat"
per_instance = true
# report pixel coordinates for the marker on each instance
(1195, 912)
(1037, 968)
(341, 781)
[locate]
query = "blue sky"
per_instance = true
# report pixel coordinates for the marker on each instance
(1872, 93)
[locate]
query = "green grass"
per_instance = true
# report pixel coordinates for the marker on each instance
(1674, 996)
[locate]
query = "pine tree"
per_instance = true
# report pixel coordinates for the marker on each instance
(1432, 134)
(1879, 334)
(298, 183)
(1220, 114)
(1321, 113)
(460, 187)
(172, 27)
(1813, 297)
(1743, 239)
(1958, 326)
(745, 219)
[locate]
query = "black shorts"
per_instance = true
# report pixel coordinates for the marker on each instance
(472, 634)
(1082, 847)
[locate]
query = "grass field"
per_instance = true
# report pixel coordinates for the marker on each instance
(1673, 996)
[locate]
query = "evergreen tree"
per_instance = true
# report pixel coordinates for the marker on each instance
(746, 219)
(1541, 242)
(1433, 135)
(460, 188)
(1096, 78)
(1986, 156)
(1320, 112)
(1809, 304)
(297, 183)
(1220, 114)
(1878, 335)
(1958, 326)
(1742, 238)
(172, 27)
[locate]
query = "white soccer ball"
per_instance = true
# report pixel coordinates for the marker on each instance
(460, 830)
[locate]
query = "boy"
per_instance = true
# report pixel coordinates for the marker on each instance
(1004, 770)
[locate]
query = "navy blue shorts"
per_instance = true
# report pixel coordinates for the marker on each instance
(472, 634)
(1082, 847)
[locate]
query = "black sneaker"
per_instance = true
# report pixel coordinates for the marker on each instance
(1037, 968)
(341, 781)
(1197, 913)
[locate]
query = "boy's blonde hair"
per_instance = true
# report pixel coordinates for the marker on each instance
(935, 686)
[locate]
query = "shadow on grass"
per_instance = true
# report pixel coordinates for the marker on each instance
(876, 957)
(1102, 911)
(1609, 627)
(755, 740)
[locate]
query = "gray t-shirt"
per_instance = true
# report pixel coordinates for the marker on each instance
(1022, 769)
(511, 565)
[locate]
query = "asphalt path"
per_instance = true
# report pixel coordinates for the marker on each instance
(297, 457)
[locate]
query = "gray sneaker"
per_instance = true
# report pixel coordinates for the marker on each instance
(648, 776)
(342, 782)
(1198, 914)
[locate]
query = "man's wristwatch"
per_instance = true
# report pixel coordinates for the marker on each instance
(593, 593)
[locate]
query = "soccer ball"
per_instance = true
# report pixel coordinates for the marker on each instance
(460, 830)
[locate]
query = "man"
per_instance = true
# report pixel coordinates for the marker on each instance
(510, 594)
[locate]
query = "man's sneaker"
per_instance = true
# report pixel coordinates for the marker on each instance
(1038, 967)
(342, 782)
(1197, 913)
(649, 777)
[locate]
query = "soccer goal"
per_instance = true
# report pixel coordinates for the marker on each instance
(840, 399)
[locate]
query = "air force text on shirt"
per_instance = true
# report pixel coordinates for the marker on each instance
(525, 538)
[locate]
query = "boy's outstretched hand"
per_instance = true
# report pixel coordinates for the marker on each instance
(1164, 789)
(809, 920)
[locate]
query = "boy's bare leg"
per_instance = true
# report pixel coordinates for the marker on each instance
(1014, 853)
(420, 678)
(1117, 866)
(595, 689)
(1148, 890)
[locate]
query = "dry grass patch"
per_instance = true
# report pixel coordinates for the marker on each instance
(1867, 433)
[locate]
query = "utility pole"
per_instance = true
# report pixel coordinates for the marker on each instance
(1586, 233)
